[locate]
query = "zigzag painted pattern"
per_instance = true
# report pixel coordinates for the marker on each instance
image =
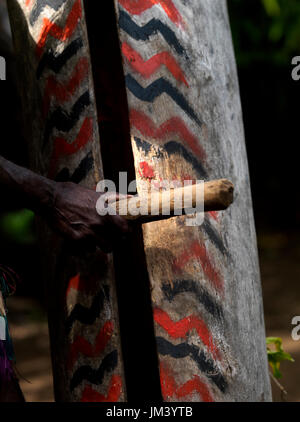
(205, 364)
(156, 89)
(137, 7)
(56, 62)
(95, 376)
(147, 68)
(89, 395)
(154, 26)
(59, 48)
(174, 137)
(171, 127)
(61, 34)
(170, 389)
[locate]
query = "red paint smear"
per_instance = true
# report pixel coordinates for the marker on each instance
(90, 395)
(74, 283)
(63, 148)
(136, 7)
(181, 328)
(172, 126)
(50, 28)
(146, 170)
(147, 68)
(214, 215)
(170, 388)
(64, 92)
(81, 345)
(199, 251)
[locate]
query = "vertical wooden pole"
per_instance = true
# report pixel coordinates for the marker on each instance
(186, 123)
(62, 131)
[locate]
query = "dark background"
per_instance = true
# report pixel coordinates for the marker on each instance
(266, 35)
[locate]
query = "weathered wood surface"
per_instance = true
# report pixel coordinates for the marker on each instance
(61, 128)
(186, 123)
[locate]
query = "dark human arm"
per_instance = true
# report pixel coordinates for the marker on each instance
(68, 208)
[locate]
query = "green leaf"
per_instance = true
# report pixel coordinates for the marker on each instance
(275, 357)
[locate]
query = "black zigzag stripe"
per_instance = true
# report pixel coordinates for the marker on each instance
(214, 236)
(56, 62)
(40, 5)
(190, 286)
(143, 33)
(173, 147)
(79, 174)
(205, 365)
(87, 315)
(156, 89)
(95, 376)
(64, 121)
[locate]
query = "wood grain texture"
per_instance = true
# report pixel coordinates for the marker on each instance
(62, 133)
(186, 123)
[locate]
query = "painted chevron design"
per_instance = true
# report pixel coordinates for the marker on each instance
(147, 68)
(193, 287)
(63, 92)
(137, 7)
(89, 395)
(173, 126)
(180, 329)
(88, 315)
(198, 251)
(94, 376)
(170, 389)
(84, 347)
(154, 26)
(62, 34)
(64, 121)
(61, 148)
(172, 148)
(81, 172)
(205, 365)
(156, 89)
(39, 7)
(174, 138)
(56, 62)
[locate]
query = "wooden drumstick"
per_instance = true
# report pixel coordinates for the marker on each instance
(218, 195)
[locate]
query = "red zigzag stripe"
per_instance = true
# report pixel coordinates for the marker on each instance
(64, 92)
(172, 126)
(198, 250)
(181, 328)
(170, 388)
(136, 7)
(89, 395)
(50, 28)
(62, 148)
(81, 345)
(147, 68)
